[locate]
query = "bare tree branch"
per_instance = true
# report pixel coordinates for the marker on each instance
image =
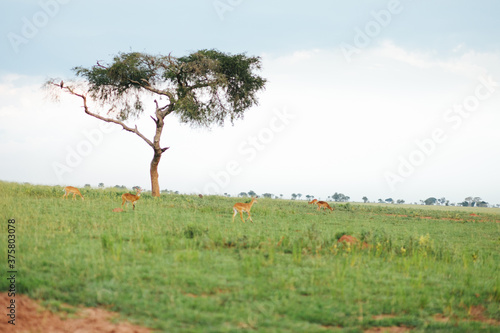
(109, 120)
(99, 65)
(149, 88)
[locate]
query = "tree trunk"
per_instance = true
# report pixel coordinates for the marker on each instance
(155, 185)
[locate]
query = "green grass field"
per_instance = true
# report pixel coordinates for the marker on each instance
(178, 263)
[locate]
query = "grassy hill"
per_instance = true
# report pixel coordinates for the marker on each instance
(178, 263)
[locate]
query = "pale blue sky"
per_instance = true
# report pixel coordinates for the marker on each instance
(365, 85)
(79, 32)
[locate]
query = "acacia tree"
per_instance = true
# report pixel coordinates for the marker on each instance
(430, 201)
(204, 88)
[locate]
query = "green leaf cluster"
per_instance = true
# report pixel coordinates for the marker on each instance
(204, 88)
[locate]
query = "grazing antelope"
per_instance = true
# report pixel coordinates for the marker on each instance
(127, 197)
(314, 201)
(243, 207)
(347, 239)
(70, 189)
(324, 205)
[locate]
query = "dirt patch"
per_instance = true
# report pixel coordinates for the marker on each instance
(33, 318)
(391, 329)
(441, 318)
(347, 239)
(476, 313)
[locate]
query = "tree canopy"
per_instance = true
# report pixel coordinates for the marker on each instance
(203, 88)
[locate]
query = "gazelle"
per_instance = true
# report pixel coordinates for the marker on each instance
(243, 207)
(324, 205)
(71, 189)
(313, 201)
(127, 197)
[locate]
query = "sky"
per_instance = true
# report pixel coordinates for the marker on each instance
(379, 99)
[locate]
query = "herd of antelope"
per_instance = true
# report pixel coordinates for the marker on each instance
(126, 197)
(245, 207)
(237, 208)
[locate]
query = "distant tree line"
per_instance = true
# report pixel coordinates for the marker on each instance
(468, 202)
(340, 197)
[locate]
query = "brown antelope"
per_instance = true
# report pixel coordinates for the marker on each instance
(347, 239)
(314, 201)
(243, 207)
(127, 197)
(324, 205)
(71, 189)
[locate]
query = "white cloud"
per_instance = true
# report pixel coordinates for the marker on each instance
(465, 62)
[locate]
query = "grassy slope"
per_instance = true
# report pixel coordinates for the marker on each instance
(178, 263)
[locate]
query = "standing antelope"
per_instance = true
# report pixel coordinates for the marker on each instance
(127, 197)
(243, 207)
(324, 205)
(70, 189)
